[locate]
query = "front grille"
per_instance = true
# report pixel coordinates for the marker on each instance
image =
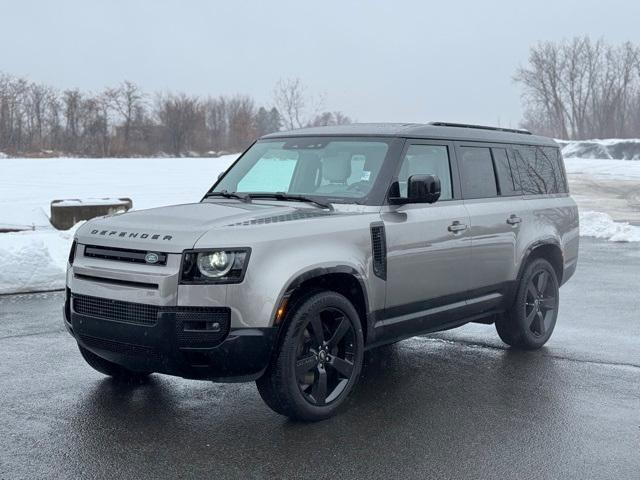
(120, 347)
(196, 327)
(202, 326)
(123, 255)
(116, 310)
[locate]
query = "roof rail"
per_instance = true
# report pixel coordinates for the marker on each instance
(480, 127)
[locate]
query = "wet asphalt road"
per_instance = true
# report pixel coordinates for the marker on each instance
(452, 405)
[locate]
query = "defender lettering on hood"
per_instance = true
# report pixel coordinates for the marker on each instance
(114, 233)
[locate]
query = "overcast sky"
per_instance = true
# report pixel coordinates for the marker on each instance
(375, 61)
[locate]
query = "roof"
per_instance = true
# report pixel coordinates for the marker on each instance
(427, 131)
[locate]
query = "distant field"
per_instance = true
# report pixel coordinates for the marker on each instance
(28, 185)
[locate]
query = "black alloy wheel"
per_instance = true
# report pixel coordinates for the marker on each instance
(325, 357)
(529, 322)
(318, 358)
(541, 303)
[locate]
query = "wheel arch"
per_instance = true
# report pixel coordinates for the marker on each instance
(548, 249)
(342, 279)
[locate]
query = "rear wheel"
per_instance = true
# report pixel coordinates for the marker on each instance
(529, 323)
(111, 369)
(319, 359)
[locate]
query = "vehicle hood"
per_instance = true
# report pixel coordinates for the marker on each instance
(176, 228)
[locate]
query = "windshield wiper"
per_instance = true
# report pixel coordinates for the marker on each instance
(293, 197)
(244, 197)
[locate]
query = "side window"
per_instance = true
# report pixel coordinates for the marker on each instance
(427, 160)
(554, 159)
(476, 170)
(507, 173)
(540, 170)
(529, 182)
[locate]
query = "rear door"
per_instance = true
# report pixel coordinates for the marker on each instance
(428, 246)
(494, 202)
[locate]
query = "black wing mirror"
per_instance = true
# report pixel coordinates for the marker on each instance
(420, 189)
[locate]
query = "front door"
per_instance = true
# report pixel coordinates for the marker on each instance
(428, 248)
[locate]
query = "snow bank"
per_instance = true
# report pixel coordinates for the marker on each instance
(613, 148)
(601, 225)
(34, 260)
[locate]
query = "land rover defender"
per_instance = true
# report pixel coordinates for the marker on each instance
(321, 243)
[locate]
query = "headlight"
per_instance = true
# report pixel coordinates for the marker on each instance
(214, 266)
(72, 252)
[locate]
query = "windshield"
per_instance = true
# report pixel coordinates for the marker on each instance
(335, 168)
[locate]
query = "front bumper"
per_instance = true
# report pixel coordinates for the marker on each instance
(171, 346)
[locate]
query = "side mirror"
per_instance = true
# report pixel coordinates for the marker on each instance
(420, 189)
(423, 188)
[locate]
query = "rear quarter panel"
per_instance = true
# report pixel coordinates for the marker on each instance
(551, 218)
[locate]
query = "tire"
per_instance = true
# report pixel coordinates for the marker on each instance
(530, 321)
(318, 360)
(111, 369)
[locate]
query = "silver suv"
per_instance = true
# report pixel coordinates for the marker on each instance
(321, 243)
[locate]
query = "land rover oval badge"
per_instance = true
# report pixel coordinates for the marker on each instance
(151, 257)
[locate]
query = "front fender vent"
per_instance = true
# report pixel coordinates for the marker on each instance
(379, 250)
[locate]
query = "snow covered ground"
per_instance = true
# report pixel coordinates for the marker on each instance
(607, 191)
(27, 186)
(36, 260)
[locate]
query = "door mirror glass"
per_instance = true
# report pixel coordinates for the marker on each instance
(423, 189)
(420, 189)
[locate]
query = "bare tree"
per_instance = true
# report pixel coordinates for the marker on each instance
(128, 100)
(289, 97)
(216, 122)
(241, 114)
(329, 118)
(13, 118)
(178, 115)
(580, 89)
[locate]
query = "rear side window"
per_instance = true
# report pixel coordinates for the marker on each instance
(476, 170)
(540, 170)
(506, 172)
(553, 157)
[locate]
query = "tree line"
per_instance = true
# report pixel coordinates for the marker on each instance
(125, 120)
(580, 89)
(575, 89)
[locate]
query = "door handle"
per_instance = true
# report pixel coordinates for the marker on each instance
(456, 226)
(514, 220)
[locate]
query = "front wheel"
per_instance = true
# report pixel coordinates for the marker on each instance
(529, 323)
(111, 369)
(319, 359)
